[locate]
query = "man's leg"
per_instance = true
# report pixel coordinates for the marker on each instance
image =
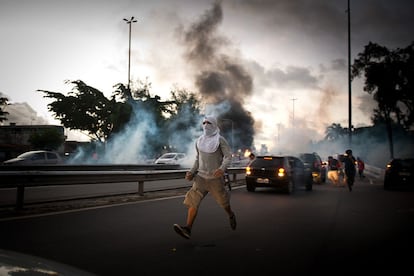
(192, 201)
(191, 215)
(229, 211)
(185, 231)
(232, 217)
(350, 182)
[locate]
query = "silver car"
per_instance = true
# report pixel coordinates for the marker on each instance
(37, 157)
(172, 158)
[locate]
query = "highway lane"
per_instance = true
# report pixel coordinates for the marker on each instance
(327, 231)
(65, 192)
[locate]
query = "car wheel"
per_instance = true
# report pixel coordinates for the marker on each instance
(290, 189)
(387, 185)
(250, 187)
(309, 184)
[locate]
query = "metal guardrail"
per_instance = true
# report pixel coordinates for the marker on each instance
(374, 171)
(45, 176)
(91, 167)
(21, 177)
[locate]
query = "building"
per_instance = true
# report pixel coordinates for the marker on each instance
(14, 139)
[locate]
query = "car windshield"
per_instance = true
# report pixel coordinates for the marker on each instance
(168, 156)
(267, 162)
(307, 157)
(26, 154)
(405, 163)
(51, 155)
(32, 155)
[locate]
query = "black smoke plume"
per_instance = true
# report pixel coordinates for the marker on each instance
(222, 81)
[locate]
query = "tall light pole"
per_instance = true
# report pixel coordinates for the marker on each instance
(293, 112)
(129, 22)
(278, 136)
(232, 133)
(349, 78)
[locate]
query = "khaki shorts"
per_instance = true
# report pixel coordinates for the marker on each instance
(201, 187)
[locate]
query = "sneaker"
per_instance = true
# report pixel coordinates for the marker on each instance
(183, 231)
(233, 222)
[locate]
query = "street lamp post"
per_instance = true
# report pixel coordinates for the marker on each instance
(349, 77)
(129, 22)
(293, 111)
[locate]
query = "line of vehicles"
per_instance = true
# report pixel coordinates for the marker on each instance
(45, 157)
(285, 172)
(290, 173)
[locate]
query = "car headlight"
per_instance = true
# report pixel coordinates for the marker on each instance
(281, 172)
(248, 171)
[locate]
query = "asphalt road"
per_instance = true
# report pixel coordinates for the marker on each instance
(67, 192)
(326, 231)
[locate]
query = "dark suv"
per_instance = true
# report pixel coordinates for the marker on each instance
(399, 173)
(285, 172)
(313, 163)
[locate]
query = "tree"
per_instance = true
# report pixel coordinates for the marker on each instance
(49, 139)
(149, 109)
(389, 78)
(3, 103)
(87, 109)
(184, 113)
(185, 108)
(334, 132)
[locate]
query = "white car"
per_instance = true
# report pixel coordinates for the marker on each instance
(36, 157)
(172, 158)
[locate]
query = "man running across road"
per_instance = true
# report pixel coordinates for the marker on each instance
(213, 156)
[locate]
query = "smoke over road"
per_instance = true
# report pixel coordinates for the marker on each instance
(221, 79)
(223, 84)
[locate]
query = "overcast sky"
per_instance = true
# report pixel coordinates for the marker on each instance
(295, 52)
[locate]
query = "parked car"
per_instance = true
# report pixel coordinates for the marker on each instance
(285, 172)
(313, 162)
(399, 173)
(36, 157)
(172, 158)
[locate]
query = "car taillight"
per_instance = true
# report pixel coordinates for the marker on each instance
(248, 171)
(281, 172)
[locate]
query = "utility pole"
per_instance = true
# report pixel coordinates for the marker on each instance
(129, 22)
(349, 78)
(293, 112)
(278, 137)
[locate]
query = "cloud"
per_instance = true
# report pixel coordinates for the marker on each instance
(293, 77)
(366, 104)
(22, 114)
(327, 20)
(340, 65)
(283, 77)
(284, 49)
